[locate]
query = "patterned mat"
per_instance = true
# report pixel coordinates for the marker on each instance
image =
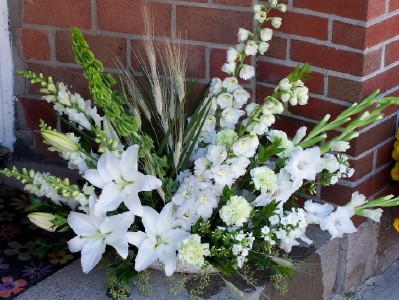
(21, 264)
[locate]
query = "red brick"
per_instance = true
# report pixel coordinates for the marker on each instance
(70, 76)
(372, 137)
(127, 17)
(290, 125)
(262, 92)
(245, 3)
(393, 5)
(316, 27)
(363, 166)
(36, 110)
(383, 81)
(34, 44)
(334, 59)
(316, 109)
(355, 9)
(273, 73)
(277, 48)
(337, 194)
(60, 13)
(195, 58)
(349, 35)
(212, 25)
(107, 49)
(382, 31)
(344, 89)
(384, 154)
(392, 53)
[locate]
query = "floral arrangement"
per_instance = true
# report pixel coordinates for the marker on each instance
(214, 187)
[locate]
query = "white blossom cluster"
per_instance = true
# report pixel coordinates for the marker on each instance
(74, 107)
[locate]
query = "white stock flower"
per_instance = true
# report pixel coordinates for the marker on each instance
(304, 164)
(243, 34)
(158, 241)
(238, 166)
(231, 84)
(246, 146)
(266, 34)
(225, 100)
(236, 211)
(216, 154)
(229, 68)
(264, 179)
(284, 85)
(192, 251)
(251, 48)
(225, 137)
(247, 72)
(120, 181)
(230, 117)
(276, 22)
(263, 47)
(222, 175)
(232, 55)
(241, 97)
(339, 222)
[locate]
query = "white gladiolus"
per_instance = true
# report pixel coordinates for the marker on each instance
(339, 222)
(339, 146)
(373, 214)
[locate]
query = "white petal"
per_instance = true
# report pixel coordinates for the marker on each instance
(146, 255)
(110, 198)
(133, 203)
(82, 224)
(142, 182)
(121, 246)
(150, 219)
(136, 238)
(175, 236)
(169, 261)
(117, 225)
(76, 244)
(91, 254)
(129, 158)
(93, 176)
(108, 166)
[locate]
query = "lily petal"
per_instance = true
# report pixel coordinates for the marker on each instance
(170, 261)
(133, 202)
(94, 177)
(82, 224)
(117, 225)
(76, 244)
(129, 159)
(110, 199)
(121, 246)
(145, 256)
(136, 238)
(91, 254)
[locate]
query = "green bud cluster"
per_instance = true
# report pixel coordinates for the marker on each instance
(63, 187)
(47, 86)
(24, 176)
(104, 142)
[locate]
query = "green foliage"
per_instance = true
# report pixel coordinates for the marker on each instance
(280, 283)
(100, 86)
(202, 281)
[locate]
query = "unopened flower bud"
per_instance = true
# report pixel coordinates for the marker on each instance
(42, 220)
(276, 22)
(59, 141)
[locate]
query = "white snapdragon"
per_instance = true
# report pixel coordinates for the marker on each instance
(192, 251)
(247, 72)
(236, 211)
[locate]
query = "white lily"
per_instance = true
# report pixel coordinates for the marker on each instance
(120, 181)
(94, 232)
(159, 241)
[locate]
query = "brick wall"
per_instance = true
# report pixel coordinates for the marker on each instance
(352, 45)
